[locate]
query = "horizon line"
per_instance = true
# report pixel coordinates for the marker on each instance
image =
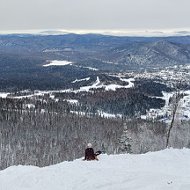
(114, 32)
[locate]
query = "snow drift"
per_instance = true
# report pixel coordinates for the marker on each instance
(164, 170)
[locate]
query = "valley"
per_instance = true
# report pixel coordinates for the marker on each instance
(120, 93)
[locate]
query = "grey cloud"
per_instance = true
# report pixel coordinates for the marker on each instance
(94, 14)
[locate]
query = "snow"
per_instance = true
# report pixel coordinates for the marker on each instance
(91, 68)
(79, 113)
(164, 111)
(143, 117)
(183, 110)
(79, 80)
(72, 101)
(52, 96)
(3, 94)
(58, 63)
(184, 106)
(130, 81)
(109, 115)
(97, 84)
(163, 170)
(29, 106)
(115, 86)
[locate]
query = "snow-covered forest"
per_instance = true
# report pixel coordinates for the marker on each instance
(47, 132)
(124, 95)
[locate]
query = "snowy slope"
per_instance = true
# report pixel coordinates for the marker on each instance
(164, 170)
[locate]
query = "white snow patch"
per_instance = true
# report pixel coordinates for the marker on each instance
(164, 170)
(115, 86)
(72, 101)
(58, 63)
(112, 87)
(79, 80)
(93, 86)
(29, 106)
(130, 81)
(79, 113)
(3, 94)
(52, 96)
(91, 68)
(109, 115)
(43, 110)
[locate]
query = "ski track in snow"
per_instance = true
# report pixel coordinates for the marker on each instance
(164, 170)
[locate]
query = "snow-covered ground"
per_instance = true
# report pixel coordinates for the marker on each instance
(109, 115)
(184, 106)
(72, 101)
(98, 84)
(164, 170)
(183, 111)
(3, 94)
(164, 111)
(58, 63)
(168, 75)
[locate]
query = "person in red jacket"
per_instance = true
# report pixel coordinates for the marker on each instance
(89, 153)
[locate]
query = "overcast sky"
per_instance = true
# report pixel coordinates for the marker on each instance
(94, 14)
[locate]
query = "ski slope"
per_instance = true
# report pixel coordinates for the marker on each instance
(164, 170)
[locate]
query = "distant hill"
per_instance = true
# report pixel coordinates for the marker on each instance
(103, 51)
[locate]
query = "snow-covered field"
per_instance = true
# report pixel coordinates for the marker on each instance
(164, 170)
(58, 63)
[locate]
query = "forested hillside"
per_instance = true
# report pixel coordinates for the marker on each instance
(122, 94)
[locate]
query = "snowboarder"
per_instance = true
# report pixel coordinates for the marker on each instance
(89, 153)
